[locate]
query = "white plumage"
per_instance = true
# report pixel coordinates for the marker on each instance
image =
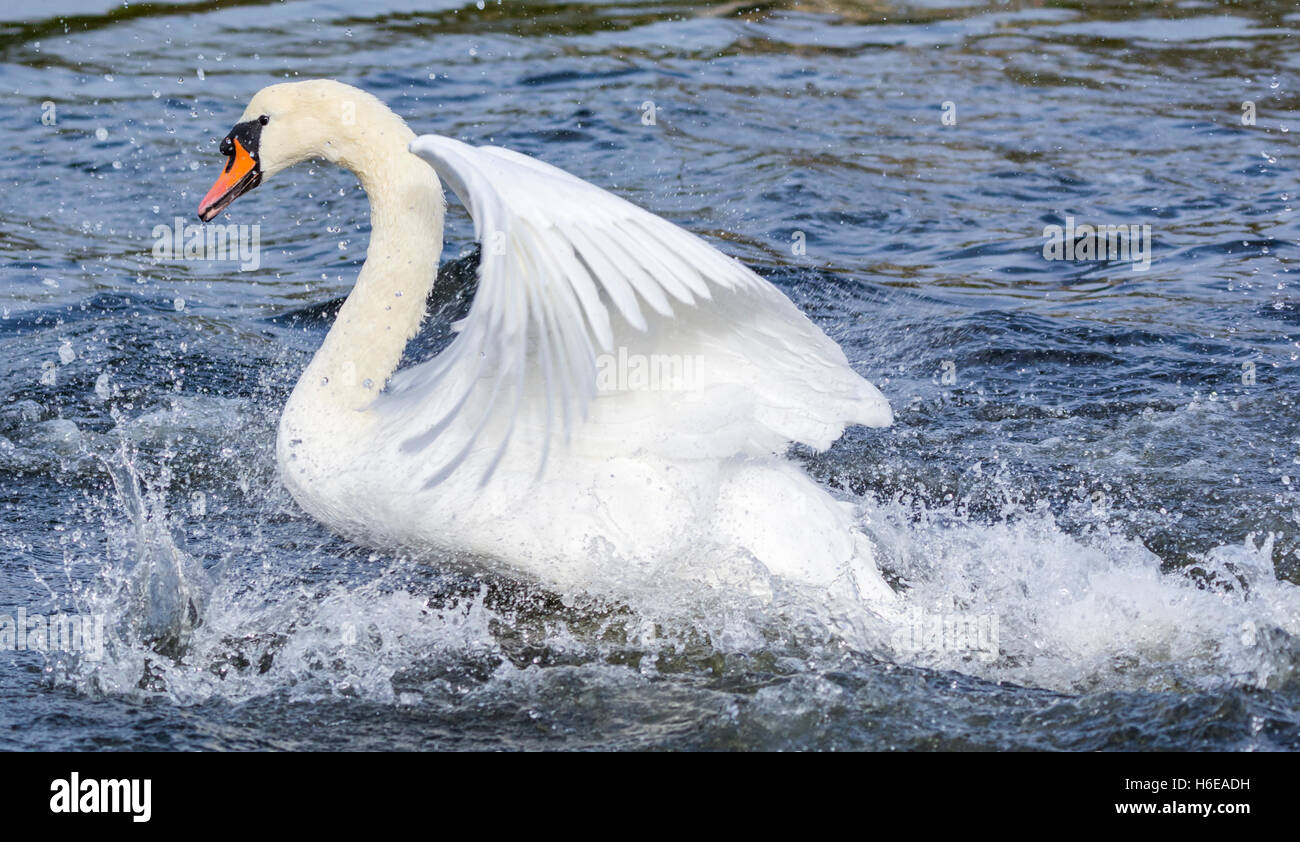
(564, 264)
(619, 393)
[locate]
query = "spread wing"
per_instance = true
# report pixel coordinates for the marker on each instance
(570, 277)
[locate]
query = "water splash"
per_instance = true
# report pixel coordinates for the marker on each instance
(299, 615)
(161, 589)
(1094, 611)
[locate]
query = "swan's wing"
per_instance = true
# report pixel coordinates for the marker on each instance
(568, 272)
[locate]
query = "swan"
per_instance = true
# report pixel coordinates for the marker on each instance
(620, 395)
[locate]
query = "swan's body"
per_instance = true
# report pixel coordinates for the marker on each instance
(524, 442)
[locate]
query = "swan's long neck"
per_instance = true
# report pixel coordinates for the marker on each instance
(387, 303)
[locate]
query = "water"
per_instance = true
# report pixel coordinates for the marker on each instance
(1080, 451)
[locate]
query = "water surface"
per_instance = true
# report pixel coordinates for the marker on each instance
(1106, 460)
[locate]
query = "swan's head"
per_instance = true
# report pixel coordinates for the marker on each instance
(292, 122)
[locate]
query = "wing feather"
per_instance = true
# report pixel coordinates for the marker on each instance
(558, 255)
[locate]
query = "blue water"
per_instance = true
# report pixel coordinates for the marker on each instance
(1106, 460)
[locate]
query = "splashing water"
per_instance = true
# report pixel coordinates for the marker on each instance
(1076, 613)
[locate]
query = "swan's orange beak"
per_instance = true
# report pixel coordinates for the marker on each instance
(241, 174)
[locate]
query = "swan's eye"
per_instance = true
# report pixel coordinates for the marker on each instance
(264, 119)
(225, 147)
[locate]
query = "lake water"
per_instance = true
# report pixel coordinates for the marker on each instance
(1095, 462)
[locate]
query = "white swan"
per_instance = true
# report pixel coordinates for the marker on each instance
(619, 392)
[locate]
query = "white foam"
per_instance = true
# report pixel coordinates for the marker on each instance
(1074, 612)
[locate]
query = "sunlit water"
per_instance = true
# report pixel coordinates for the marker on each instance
(1103, 461)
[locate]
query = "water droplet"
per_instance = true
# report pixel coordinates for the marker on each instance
(101, 133)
